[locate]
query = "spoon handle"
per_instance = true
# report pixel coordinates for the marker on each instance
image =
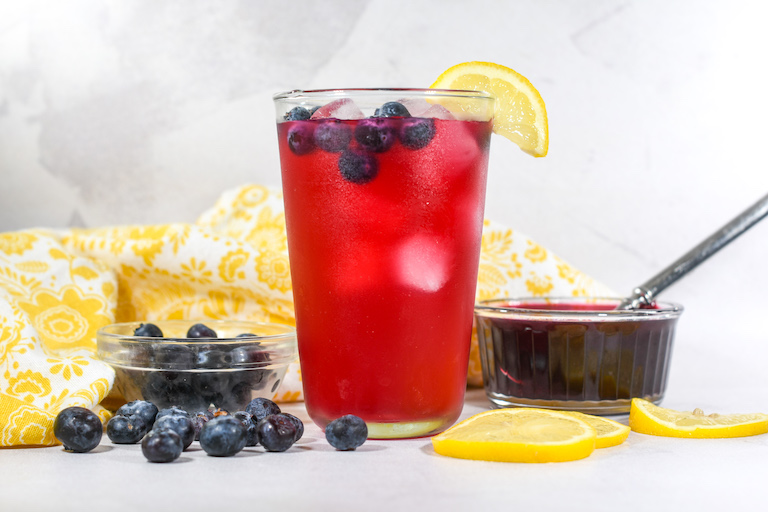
(645, 293)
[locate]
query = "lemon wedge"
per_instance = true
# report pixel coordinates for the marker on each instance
(518, 435)
(647, 418)
(609, 432)
(519, 113)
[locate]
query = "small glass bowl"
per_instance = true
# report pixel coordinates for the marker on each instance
(576, 354)
(225, 372)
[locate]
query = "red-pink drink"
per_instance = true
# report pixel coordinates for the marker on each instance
(384, 219)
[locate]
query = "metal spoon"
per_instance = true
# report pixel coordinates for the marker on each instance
(646, 292)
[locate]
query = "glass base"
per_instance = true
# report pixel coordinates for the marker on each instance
(405, 430)
(596, 407)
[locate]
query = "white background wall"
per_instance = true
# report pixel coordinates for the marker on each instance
(143, 111)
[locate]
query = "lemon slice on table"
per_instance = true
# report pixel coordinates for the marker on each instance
(518, 435)
(609, 432)
(647, 418)
(519, 113)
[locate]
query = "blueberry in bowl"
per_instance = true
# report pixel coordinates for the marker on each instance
(197, 365)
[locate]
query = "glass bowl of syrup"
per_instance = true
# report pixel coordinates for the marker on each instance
(577, 354)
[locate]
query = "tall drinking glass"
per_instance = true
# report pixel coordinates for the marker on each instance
(384, 194)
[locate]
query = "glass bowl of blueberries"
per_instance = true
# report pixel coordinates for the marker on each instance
(222, 364)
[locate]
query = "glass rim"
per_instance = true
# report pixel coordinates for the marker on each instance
(297, 94)
(496, 308)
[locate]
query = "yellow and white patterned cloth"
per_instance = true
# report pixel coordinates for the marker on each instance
(57, 288)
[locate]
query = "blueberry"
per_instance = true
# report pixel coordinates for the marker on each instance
(201, 331)
(223, 436)
(301, 139)
(78, 429)
(296, 423)
(173, 355)
(162, 445)
(147, 410)
(277, 433)
(375, 135)
(417, 132)
(148, 331)
(200, 419)
(333, 136)
(247, 335)
(182, 425)
(260, 408)
(297, 114)
(392, 109)
(211, 357)
(211, 386)
(251, 430)
(251, 353)
(171, 411)
(123, 429)
(358, 167)
(347, 432)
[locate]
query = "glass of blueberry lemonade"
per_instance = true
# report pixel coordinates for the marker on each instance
(384, 193)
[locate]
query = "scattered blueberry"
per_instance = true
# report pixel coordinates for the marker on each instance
(392, 109)
(296, 423)
(200, 419)
(78, 429)
(201, 331)
(347, 432)
(375, 134)
(417, 132)
(148, 331)
(301, 139)
(251, 430)
(162, 445)
(297, 114)
(123, 429)
(182, 425)
(333, 135)
(358, 167)
(223, 436)
(260, 408)
(277, 433)
(147, 410)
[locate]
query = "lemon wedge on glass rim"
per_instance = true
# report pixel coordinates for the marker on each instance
(647, 418)
(518, 435)
(519, 113)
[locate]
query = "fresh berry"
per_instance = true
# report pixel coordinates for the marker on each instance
(301, 139)
(123, 429)
(211, 357)
(247, 335)
(375, 134)
(211, 386)
(358, 167)
(417, 132)
(78, 429)
(260, 408)
(200, 419)
(148, 331)
(296, 423)
(276, 433)
(173, 355)
(162, 445)
(251, 353)
(392, 109)
(333, 136)
(251, 430)
(201, 331)
(223, 436)
(297, 114)
(147, 410)
(182, 425)
(347, 432)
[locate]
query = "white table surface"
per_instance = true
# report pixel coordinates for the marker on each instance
(644, 473)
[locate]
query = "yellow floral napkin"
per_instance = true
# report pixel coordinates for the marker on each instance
(57, 288)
